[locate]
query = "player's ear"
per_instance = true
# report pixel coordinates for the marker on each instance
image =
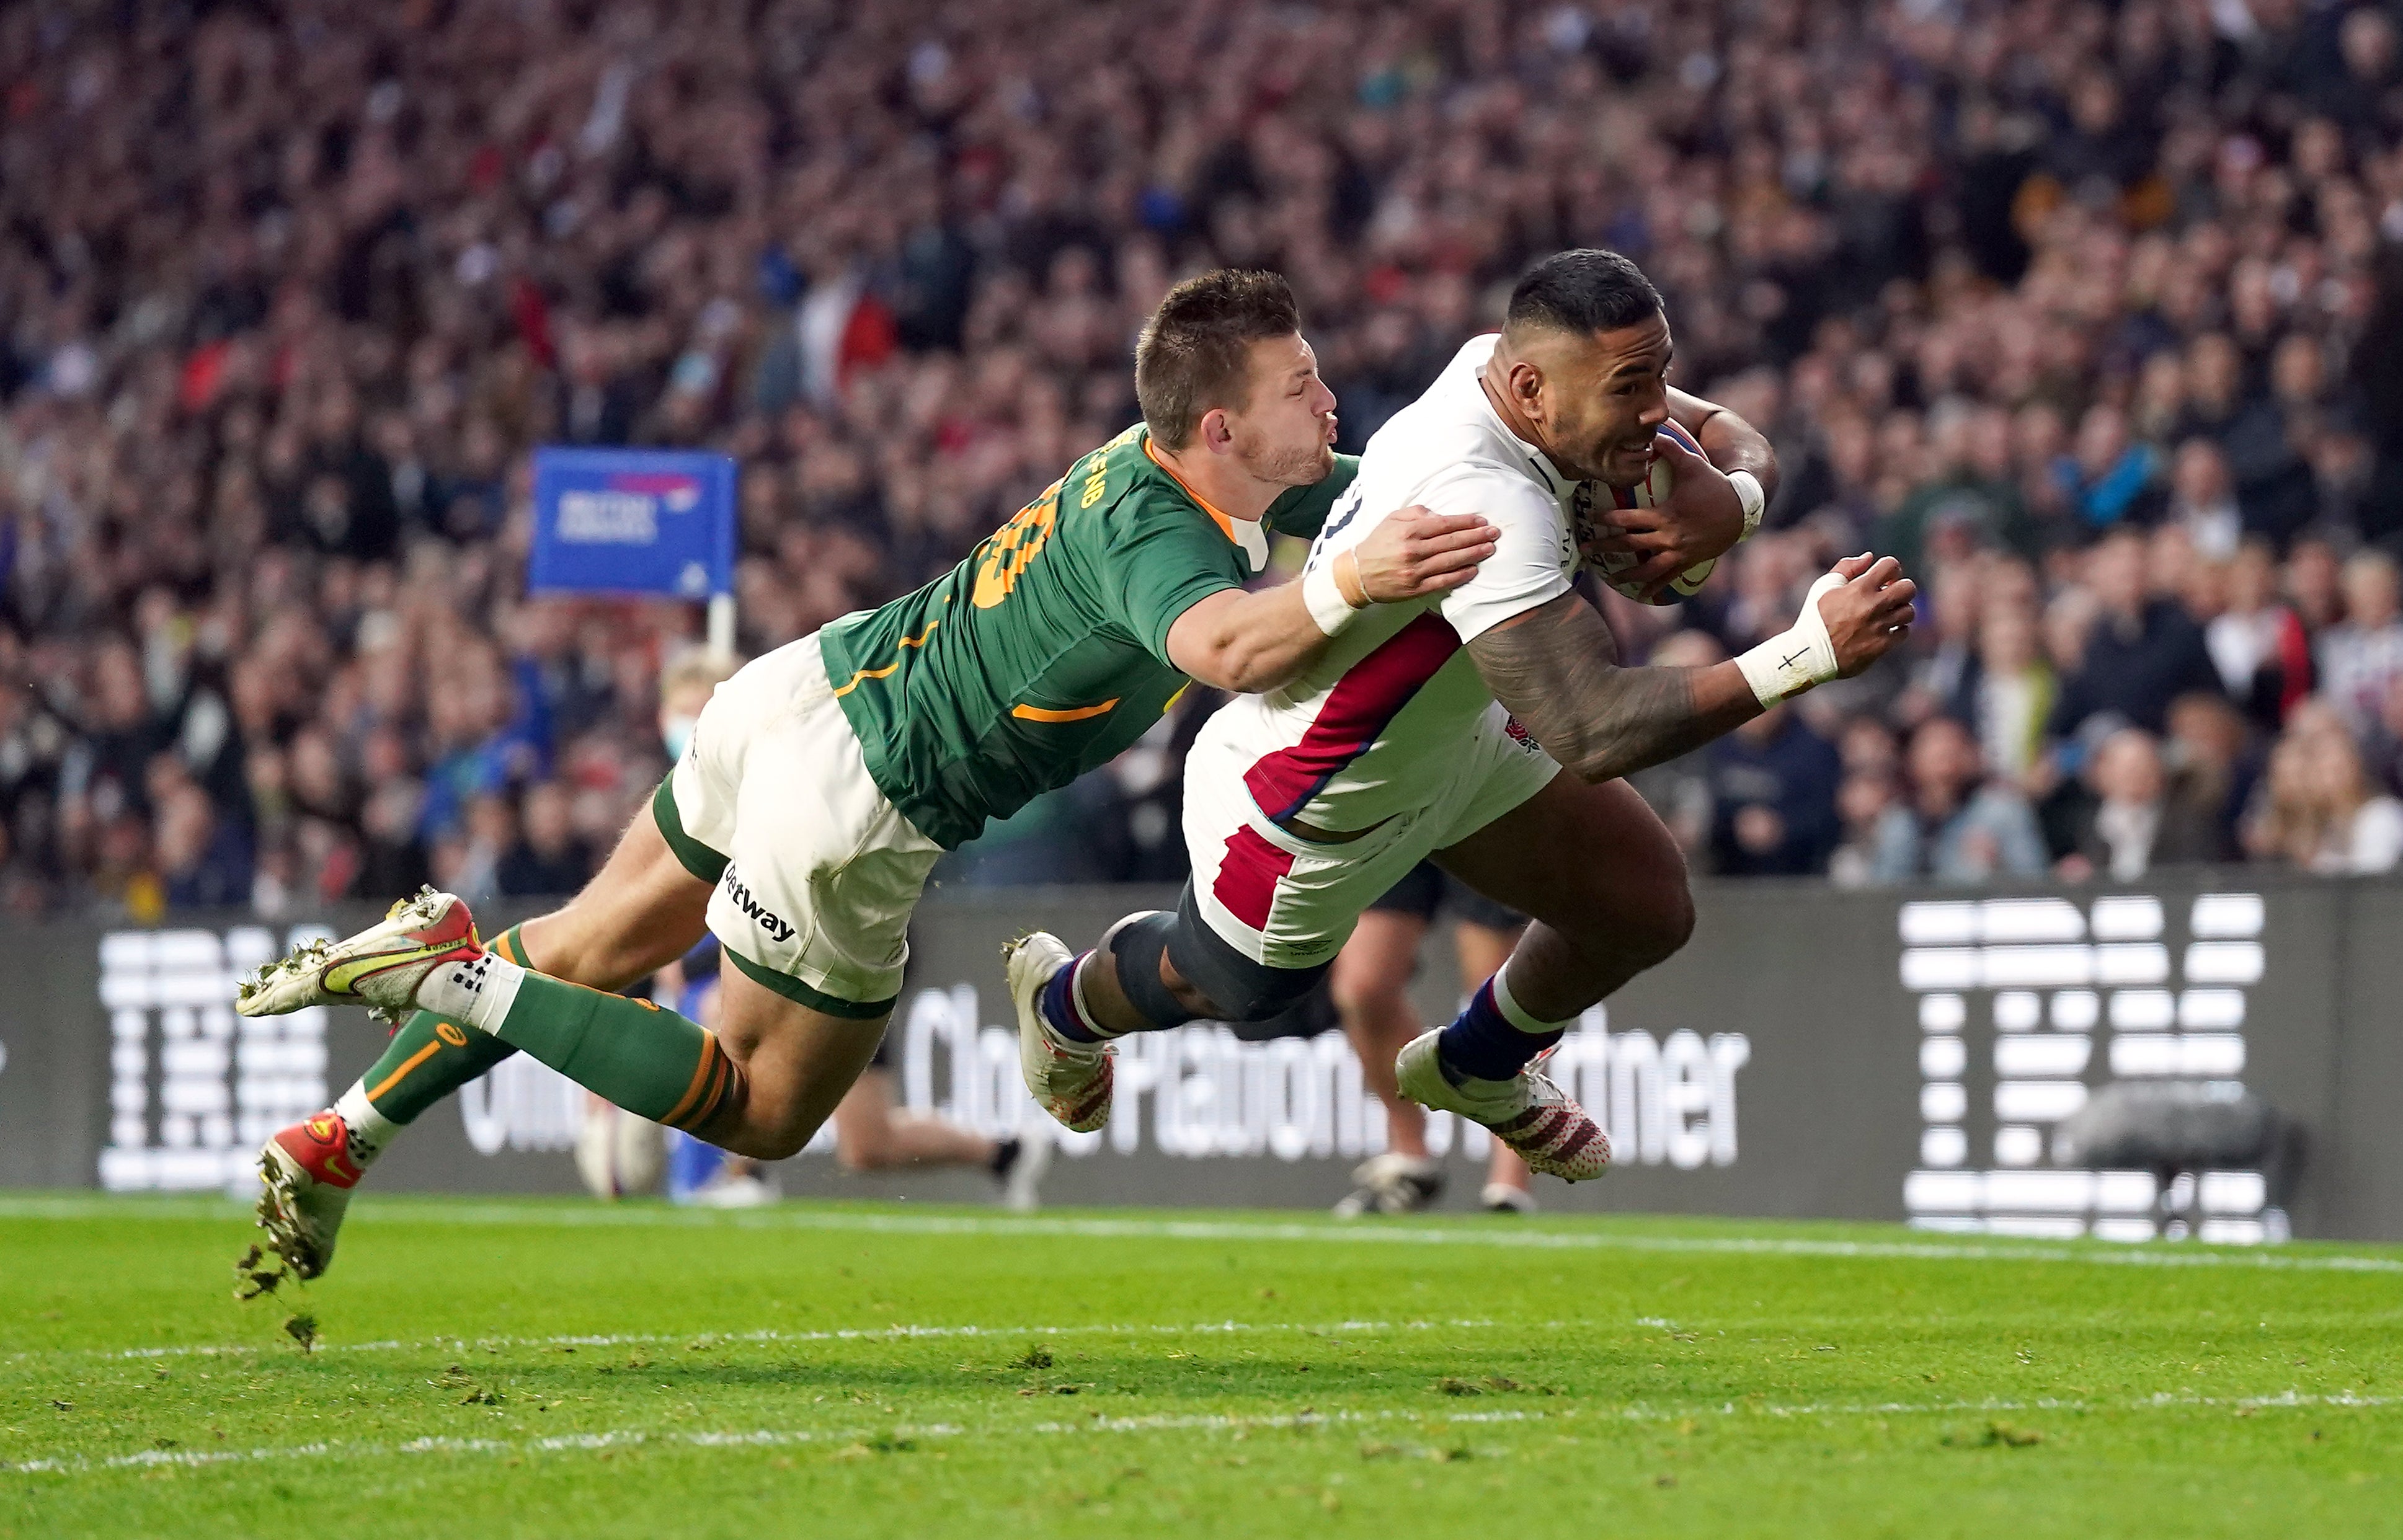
(1215, 433)
(1526, 382)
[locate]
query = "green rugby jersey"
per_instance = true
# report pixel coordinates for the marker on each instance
(1045, 652)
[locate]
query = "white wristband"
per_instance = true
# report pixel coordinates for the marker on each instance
(1323, 597)
(1754, 501)
(1791, 663)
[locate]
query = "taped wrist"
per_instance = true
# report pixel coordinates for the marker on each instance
(1754, 500)
(1323, 596)
(1797, 658)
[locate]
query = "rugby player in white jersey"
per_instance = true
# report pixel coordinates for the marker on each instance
(1442, 727)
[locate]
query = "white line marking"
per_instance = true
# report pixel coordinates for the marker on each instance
(703, 1339)
(76, 1465)
(613, 1216)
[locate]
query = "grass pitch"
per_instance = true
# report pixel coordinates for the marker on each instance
(552, 1368)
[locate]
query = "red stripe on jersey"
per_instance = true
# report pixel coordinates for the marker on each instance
(1370, 694)
(1247, 877)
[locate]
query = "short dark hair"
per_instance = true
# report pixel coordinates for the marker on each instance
(1584, 291)
(1195, 353)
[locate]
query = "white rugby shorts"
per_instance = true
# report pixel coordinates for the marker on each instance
(817, 872)
(1288, 902)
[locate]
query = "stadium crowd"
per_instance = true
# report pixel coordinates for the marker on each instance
(2090, 313)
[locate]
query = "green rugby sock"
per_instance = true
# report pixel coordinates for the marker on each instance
(651, 1061)
(429, 1058)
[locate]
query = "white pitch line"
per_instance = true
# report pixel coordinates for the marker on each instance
(612, 1216)
(698, 1339)
(76, 1464)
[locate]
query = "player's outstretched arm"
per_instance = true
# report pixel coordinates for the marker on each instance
(1555, 667)
(1249, 641)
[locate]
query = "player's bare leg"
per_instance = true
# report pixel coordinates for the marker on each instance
(1606, 884)
(1601, 879)
(640, 913)
(1509, 1186)
(872, 1133)
(795, 1065)
(1370, 982)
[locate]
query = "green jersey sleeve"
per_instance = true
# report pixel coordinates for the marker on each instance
(1301, 510)
(1161, 557)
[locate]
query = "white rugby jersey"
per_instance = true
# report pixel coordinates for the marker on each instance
(1376, 725)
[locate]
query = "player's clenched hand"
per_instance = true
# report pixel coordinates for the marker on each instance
(1869, 613)
(1702, 519)
(1412, 553)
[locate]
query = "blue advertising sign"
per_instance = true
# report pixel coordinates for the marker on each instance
(633, 522)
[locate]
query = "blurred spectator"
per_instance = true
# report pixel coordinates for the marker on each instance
(2137, 822)
(1862, 803)
(1973, 494)
(2111, 478)
(1954, 826)
(2142, 651)
(1773, 785)
(548, 859)
(2361, 656)
(2318, 809)
(203, 863)
(2257, 641)
(2315, 583)
(686, 686)
(2210, 752)
(2202, 499)
(2271, 440)
(467, 858)
(2014, 689)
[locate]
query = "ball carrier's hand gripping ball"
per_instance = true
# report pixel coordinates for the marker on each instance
(1651, 492)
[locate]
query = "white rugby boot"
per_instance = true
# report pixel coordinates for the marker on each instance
(1527, 1112)
(379, 968)
(1392, 1183)
(1072, 1081)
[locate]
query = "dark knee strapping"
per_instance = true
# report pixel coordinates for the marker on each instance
(1239, 989)
(1137, 947)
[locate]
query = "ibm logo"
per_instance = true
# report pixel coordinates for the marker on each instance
(2047, 984)
(195, 1089)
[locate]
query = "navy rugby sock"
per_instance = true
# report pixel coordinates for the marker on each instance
(1058, 1004)
(1484, 1043)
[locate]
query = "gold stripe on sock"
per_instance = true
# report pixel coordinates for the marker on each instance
(509, 953)
(707, 1107)
(699, 1079)
(720, 1085)
(721, 1095)
(395, 1079)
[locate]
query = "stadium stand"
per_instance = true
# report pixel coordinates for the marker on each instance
(2092, 314)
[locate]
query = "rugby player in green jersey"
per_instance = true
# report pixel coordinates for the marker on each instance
(824, 778)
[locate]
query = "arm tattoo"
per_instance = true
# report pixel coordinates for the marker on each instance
(1556, 668)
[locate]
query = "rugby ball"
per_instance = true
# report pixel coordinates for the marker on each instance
(1651, 493)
